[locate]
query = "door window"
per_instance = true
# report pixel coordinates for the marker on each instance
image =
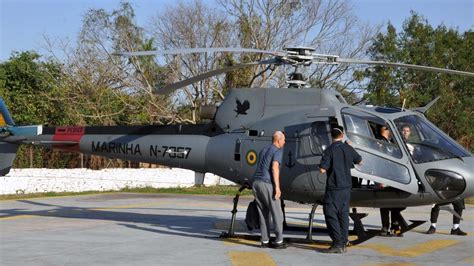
(378, 166)
(319, 139)
(370, 131)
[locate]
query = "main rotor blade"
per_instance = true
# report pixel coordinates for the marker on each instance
(417, 67)
(199, 50)
(172, 87)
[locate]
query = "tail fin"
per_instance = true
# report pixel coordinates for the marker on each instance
(7, 150)
(5, 118)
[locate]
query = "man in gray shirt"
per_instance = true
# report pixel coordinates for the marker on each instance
(267, 192)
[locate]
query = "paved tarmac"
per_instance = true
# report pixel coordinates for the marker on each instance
(165, 229)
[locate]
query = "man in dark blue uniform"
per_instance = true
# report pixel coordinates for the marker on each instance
(267, 192)
(337, 161)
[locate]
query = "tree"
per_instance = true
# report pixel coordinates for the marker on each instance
(419, 43)
(108, 89)
(328, 26)
(25, 84)
(188, 26)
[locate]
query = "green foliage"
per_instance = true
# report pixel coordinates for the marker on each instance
(90, 88)
(24, 82)
(421, 44)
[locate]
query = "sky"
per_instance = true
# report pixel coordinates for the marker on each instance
(24, 23)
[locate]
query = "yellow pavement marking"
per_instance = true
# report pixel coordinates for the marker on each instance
(412, 251)
(17, 217)
(314, 245)
(129, 206)
(234, 241)
(246, 258)
(471, 260)
(306, 224)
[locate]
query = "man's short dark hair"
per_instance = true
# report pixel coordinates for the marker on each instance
(337, 132)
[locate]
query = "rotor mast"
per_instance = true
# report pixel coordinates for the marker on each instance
(299, 57)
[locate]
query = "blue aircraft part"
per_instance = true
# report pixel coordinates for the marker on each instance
(5, 118)
(25, 130)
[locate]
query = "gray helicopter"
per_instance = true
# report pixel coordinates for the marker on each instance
(424, 168)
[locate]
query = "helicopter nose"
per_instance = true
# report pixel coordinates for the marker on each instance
(455, 179)
(469, 176)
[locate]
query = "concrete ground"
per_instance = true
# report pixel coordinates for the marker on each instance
(161, 229)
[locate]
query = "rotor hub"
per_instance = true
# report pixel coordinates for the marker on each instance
(299, 55)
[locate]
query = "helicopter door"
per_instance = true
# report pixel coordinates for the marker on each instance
(315, 139)
(383, 162)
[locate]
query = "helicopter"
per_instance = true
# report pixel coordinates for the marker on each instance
(427, 168)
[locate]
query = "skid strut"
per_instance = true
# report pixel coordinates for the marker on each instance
(230, 233)
(309, 237)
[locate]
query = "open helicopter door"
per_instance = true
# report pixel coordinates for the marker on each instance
(384, 162)
(314, 139)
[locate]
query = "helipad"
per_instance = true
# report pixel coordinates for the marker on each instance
(164, 229)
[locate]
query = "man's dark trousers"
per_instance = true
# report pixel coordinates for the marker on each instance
(336, 212)
(458, 206)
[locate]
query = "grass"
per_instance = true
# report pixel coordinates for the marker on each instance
(197, 190)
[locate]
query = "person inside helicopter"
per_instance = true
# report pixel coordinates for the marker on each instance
(429, 143)
(386, 141)
(385, 136)
(406, 133)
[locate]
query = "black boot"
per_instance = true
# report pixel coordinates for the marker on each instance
(458, 232)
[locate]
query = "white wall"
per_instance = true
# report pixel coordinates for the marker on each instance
(22, 181)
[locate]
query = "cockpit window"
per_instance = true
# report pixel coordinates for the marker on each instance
(370, 131)
(425, 142)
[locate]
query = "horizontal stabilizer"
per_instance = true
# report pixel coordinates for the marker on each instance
(26, 130)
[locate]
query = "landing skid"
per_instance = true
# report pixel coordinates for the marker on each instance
(358, 230)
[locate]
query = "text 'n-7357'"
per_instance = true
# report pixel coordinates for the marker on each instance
(135, 149)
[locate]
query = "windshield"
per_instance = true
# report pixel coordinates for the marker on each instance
(426, 143)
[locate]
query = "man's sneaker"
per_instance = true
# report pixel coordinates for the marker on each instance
(281, 245)
(432, 230)
(264, 245)
(334, 250)
(458, 232)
